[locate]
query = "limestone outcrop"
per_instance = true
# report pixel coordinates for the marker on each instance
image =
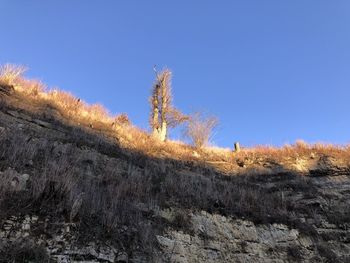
(69, 194)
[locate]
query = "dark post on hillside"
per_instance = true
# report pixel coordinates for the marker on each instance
(237, 147)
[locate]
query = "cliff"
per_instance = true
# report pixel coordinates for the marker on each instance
(76, 192)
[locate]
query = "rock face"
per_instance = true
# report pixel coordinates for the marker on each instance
(211, 238)
(60, 245)
(68, 195)
(13, 180)
(219, 239)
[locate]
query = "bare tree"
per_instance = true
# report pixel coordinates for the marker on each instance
(163, 113)
(200, 128)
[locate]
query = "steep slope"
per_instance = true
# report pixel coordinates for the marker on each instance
(74, 193)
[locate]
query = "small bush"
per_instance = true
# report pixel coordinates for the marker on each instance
(200, 128)
(182, 220)
(9, 74)
(121, 119)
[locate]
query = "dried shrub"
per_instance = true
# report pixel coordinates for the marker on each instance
(182, 220)
(200, 128)
(121, 120)
(10, 74)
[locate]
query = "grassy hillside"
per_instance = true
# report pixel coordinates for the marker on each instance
(34, 96)
(69, 161)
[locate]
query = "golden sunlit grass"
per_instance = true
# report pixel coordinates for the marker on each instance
(95, 117)
(78, 112)
(11, 74)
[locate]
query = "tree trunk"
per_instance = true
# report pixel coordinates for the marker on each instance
(163, 131)
(155, 113)
(160, 105)
(164, 110)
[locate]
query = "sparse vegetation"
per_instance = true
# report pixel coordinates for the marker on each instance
(61, 105)
(11, 74)
(121, 119)
(114, 174)
(200, 128)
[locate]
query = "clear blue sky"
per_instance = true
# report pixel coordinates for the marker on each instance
(272, 71)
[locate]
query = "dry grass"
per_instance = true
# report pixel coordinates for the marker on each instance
(114, 183)
(77, 112)
(298, 150)
(11, 74)
(96, 118)
(59, 178)
(113, 189)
